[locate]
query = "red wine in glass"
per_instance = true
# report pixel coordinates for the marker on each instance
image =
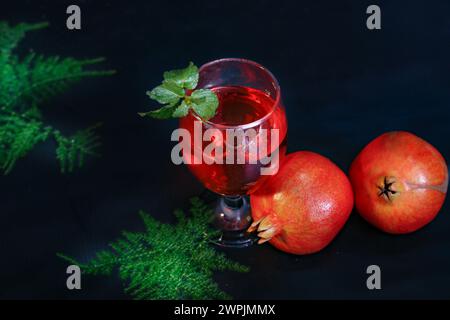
(238, 106)
(249, 104)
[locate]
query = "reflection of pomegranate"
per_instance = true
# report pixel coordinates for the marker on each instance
(302, 208)
(400, 182)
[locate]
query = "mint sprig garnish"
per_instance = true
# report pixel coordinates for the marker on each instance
(177, 96)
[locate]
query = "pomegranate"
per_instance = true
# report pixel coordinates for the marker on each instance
(303, 207)
(399, 181)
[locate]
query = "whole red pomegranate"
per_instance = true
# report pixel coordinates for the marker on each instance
(303, 207)
(399, 181)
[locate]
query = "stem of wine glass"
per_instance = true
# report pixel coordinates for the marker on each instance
(233, 201)
(232, 217)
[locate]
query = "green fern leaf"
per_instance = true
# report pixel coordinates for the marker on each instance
(167, 261)
(18, 135)
(11, 36)
(39, 78)
(71, 151)
(28, 82)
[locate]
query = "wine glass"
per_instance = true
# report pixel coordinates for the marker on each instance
(250, 119)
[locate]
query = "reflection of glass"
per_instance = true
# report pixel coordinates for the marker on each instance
(249, 106)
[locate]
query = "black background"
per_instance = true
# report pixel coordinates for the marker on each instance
(342, 85)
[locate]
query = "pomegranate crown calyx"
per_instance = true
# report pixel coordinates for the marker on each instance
(265, 227)
(386, 189)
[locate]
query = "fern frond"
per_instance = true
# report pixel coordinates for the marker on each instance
(10, 36)
(18, 135)
(167, 261)
(27, 82)
(38, 78)
(71, 151)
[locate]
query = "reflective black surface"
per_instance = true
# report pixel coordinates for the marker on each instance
(342, 85)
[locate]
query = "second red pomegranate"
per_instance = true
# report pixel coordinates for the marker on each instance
(302, 208)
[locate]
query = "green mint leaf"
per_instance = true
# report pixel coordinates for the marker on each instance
(181, 111)
(185, 78)
(168, 92)
(161, 113)
(205, 103)
(173, 93)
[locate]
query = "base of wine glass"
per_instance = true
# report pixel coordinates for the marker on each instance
(232, 216)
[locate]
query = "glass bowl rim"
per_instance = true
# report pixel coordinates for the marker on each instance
(253, 123)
